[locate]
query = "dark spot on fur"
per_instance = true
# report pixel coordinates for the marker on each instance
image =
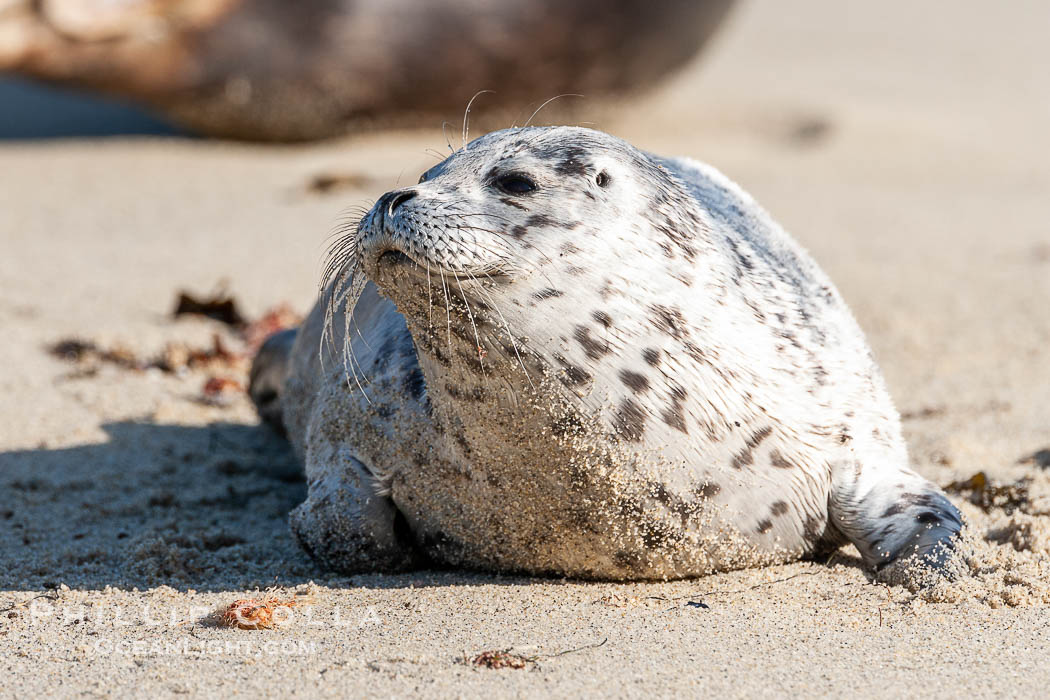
(602, 318)
(572, 162)
(742, 260)
(906, 501)
(518, 231)
(630, 421)
(413, 384)
(569, 249)
(629, 508)
(779, 508)
(895, 509)
(780, 461)
(686, 280)
(674, 418)
(674, 414)
(573, 375)
(679, 236)
(698, 354)
(634, 381)
(510, 202)
(813, 528)
(928, 518)
(668, 320)
(539, 220)
(651, 356)
(707, 490)
(755, 310)
(765, 526)
(747, 455)
(547, 293)
(661, 494)
(594, 349)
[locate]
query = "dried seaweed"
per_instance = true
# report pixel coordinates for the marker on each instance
(500, 659)
(220, 307)
(987, 494)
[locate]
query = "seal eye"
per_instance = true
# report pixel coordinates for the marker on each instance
(515, 184)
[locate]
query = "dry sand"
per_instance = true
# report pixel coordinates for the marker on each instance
(904, 143)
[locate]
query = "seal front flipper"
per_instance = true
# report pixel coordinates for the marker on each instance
(347, 523)
(894, 516)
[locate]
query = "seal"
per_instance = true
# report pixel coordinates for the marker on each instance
(285, 71)
(558, 354)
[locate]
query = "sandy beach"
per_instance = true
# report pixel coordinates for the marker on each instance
(905, 145)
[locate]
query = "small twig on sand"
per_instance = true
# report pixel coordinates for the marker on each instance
(573, 651)
(505, 658)
(693, 596)
(50, 596)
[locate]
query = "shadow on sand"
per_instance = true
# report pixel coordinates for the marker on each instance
(201, 507)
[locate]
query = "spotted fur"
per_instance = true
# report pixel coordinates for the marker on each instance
(560, 354)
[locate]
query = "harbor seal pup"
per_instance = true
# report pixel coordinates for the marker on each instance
(281, 71)
(558, 354)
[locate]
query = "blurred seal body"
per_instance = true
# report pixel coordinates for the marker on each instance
(568, 356)
(279, 70)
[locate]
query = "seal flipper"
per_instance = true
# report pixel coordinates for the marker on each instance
(269, 371)
(347, 524)
(893, 516)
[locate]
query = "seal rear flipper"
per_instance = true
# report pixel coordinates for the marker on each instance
(896, 519)
(269, 371)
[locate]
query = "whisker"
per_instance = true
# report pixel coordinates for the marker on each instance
(466, 115)
(556, 97)
(444, 133)
(470, 315)
(430, 304)
(506, 326)
(448, 313)
(349, 356)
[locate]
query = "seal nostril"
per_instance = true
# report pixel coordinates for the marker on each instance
(399, 199)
